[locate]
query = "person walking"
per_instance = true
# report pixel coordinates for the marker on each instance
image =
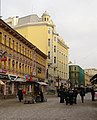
(61, 94)
(93, 94)
(71, 96)
(82, 94)
(20, 94)
(41, 95)
(75, 93)
(66, 96)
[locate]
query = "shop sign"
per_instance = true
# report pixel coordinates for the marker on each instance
(3, 71)
(4, 76)
(3, 59)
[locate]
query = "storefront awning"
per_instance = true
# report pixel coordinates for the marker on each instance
(42, 83)
(19, 79)
(1, 82)
(93, 80)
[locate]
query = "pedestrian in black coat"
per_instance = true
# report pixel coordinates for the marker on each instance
(41, 95)
(61, 94)
(66, 96)
(71, 96)
(93, 94)
(75, 93)
(20, 95)
(82, 94)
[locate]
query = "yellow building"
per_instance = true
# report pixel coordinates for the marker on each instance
(19, 58)
(42, 33)
(87, 79)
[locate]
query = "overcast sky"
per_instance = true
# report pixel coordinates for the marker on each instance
(75, 20)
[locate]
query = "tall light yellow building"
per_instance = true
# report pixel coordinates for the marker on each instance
(42, 33)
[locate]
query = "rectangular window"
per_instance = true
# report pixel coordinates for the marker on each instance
(54, 59)
(49, 55)
(20, 48)
(49, 30)
(23, 49)
(75, 68)
(13, 44)
(55, 39)
(5, 39)
(28, 53)
(0, 37)
(49, 42)
(54, 48)
(9, 42)
(16, 46)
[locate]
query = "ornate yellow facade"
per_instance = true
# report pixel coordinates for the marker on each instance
(42, 33)
(20, 54)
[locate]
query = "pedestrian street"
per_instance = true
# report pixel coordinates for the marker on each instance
(12, 109)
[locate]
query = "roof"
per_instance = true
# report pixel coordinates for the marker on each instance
(28, 19)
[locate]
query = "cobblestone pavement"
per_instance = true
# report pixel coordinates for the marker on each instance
(51, 110)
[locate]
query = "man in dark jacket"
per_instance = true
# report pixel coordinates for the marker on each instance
(82, 94)
(75, 93)
(20, 94)
(61, 91)
(93, 94)
(66, 96)
(71, 96)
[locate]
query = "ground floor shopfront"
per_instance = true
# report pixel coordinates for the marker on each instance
(10, 87)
